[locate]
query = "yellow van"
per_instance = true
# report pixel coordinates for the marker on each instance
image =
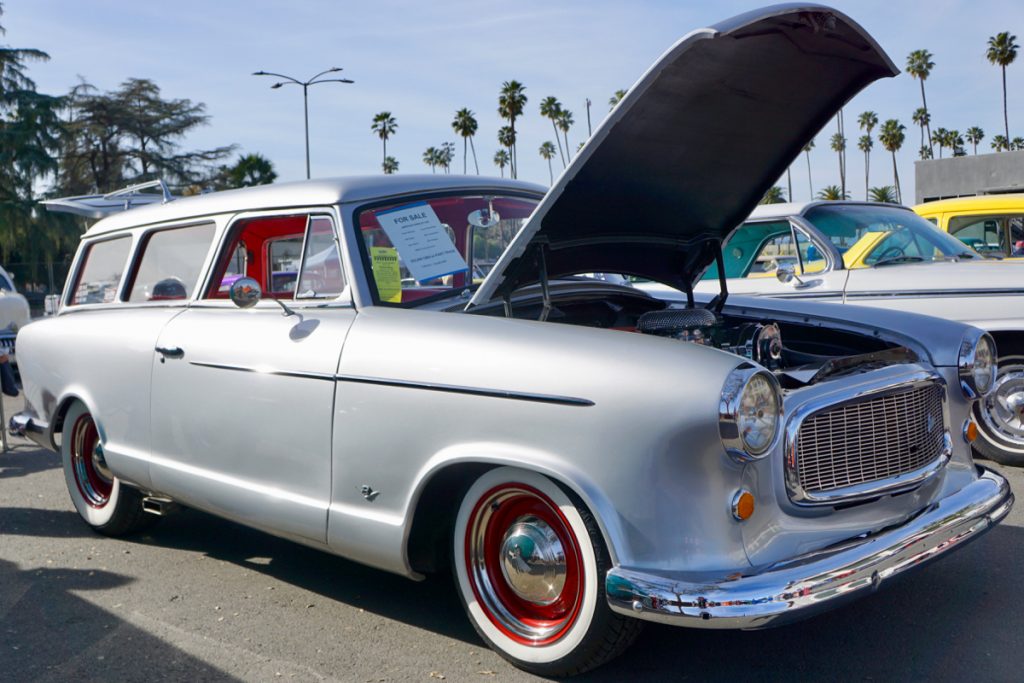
(991, 224)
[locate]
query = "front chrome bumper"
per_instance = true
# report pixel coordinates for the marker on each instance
(26, 424)
(805, 585)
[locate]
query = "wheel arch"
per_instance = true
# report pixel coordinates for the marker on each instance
(68, 399)
(445, 480)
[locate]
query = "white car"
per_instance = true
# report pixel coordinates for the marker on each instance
(14, 314)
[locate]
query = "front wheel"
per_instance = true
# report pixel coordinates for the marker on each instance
(105, 504)
(1001, 415)
(530, 567)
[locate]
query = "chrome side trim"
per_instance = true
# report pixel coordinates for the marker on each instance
(817, 581)
(473, 391)
(265, 370)
(935, 293)
(867, 490)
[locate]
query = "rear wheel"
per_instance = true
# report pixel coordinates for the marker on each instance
(105, 504)
(530, 566)
(1001, 414)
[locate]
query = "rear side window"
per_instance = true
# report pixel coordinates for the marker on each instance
(100, 272)
(170, 264)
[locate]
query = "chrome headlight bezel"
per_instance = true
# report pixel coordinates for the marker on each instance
(730, 417)
(977, 370)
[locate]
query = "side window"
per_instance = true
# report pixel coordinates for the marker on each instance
(103, 263)
(774, 252)
(270, 250)
(981, 233)
(170, 263)
(321, 274)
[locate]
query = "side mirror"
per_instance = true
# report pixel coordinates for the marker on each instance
(786, 273)
(51, 304)
(245, 292)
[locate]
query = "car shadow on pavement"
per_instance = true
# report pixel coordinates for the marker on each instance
(431, 604)
(26, 458)
(51, 634)
(957, 619)
(43, 523)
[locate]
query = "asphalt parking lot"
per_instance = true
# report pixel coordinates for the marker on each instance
(198, 598)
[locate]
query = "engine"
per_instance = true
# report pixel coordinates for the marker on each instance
(759, 342)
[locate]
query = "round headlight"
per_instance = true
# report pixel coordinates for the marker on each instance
(977, 365)
(750, 412)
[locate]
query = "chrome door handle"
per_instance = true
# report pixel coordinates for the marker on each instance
(170, 352)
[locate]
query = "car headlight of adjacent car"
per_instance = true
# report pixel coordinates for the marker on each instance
(977, 364)
(750, 412)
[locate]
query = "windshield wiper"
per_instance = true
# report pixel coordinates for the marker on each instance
(897, 259)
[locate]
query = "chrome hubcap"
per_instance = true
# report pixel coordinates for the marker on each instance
(94, 479)
(1003, 409)
(533, 561)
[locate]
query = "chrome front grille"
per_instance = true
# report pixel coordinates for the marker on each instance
(849, 447)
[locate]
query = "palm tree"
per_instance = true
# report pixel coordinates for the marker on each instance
(921, 118)
(384, 125)
(390, 165)
(616, 98)
(465, 125)
(507, 139)
(864, 144)
(1002, 50)
(547, 152)
(974, 135)
(1000, 143)
(511, 102)
(955, 142)
(1017, 144)
(807, 152)
(838, 145)
(445, 155)
(774, 195)
(565, 122)
(919, 66)
(432, 157)
(833, 193)
(940, 137)
(892, 135)
(551, 108)
(867, 121)
(501, 160)
(885, 194)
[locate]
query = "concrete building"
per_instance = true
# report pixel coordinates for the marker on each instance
(968, 176)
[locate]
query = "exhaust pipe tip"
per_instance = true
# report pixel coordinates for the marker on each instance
(157, 505)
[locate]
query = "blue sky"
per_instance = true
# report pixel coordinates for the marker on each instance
(422, 61)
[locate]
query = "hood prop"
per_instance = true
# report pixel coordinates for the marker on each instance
(718, 303)
(539, 253)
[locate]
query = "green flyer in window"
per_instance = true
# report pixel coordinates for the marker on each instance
(387, 273)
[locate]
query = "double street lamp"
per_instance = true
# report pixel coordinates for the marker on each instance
(315, 80)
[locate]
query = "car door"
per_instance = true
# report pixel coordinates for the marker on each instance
(243, 398)
(756, 251)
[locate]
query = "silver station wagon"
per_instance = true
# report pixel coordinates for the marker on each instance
(323, 361)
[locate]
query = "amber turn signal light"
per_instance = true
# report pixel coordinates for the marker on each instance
(970, 431)
(742, 505)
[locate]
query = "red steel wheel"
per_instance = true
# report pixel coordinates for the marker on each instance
(94, 480)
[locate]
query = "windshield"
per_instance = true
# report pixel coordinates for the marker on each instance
(423, 249)
(869, 235)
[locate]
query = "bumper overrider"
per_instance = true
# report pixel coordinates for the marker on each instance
(27, 424)
(812, 583)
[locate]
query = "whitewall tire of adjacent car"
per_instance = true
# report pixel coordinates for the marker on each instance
(105, 504)
(530, 566)
(1001, 414)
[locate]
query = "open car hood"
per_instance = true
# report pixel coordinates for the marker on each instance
(692, 148)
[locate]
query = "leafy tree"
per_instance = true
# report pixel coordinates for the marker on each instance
(922, 118)
(551, 108)
(511, 103)
(833, 193)
(446, 154)
(807, 152)
(616, 98)
(507, 139)
(892, 135)
(919, 66)
(1017, 144)
(390, 165)
(547, 152)
(252, 170)
(384, 125)
(432, 158)
(1000, 143)
(774, 195)
(940, 137)
(501, 160)
(465, 125)
(974, 135)
(885, 194)
(1002, 51)
(564, 123)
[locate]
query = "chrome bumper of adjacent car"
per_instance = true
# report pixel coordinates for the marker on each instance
(805, 585)
(26, 424)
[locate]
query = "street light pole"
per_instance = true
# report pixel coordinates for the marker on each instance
(315, 80)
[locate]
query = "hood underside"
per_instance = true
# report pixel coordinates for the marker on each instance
(692, 148)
